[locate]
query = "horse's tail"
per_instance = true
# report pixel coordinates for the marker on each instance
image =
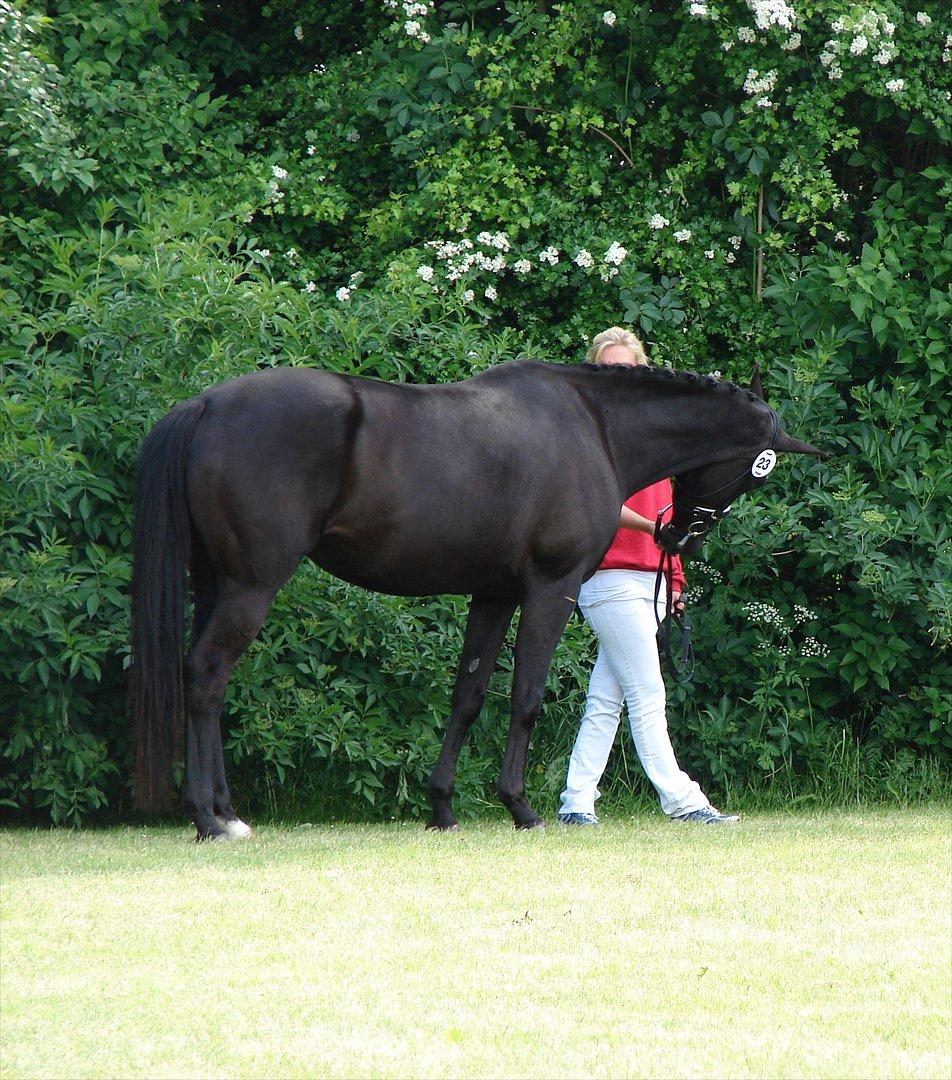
(160, 563)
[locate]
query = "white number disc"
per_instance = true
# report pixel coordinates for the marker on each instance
(763, 463)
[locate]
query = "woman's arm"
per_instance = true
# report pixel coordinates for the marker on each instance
(631, 519)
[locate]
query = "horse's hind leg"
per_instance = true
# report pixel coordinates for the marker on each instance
(228, 630)
(205, 591)
(485, 628)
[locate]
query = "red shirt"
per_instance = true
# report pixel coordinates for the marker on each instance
(633, 550)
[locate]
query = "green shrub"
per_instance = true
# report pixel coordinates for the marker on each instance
(193, 195)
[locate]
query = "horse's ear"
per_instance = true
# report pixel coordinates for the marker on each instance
(787, 444)
(756, 386)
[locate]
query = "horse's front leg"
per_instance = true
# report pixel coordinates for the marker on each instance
(545, 611)
(486, 626)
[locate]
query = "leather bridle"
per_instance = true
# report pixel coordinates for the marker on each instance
(673, 541)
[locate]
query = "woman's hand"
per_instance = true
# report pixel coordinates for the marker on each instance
(677, 604)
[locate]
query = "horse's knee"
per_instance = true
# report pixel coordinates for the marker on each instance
(467, 701)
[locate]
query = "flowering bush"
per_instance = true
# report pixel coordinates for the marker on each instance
(417, 191)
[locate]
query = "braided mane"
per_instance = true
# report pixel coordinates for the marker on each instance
(647, 371)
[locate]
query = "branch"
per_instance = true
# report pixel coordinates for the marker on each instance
(592, 127)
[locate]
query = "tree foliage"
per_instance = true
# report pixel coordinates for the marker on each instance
(416, 192)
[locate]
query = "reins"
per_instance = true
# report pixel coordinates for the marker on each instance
(672, 543)
(683, 667)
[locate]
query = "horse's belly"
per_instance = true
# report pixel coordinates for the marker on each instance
(408, 573)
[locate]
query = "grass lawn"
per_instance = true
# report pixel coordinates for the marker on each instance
(788, 946)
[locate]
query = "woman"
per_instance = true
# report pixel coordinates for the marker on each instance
(618, 603)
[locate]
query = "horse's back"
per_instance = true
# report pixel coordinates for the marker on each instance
(402, 488)
(455, 487)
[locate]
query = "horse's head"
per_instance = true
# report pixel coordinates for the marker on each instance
(702, 496)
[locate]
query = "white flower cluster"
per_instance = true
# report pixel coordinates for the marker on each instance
(755, 83)
(612, 259)
(609, 18)
(746, 35)
(274, 192)
(895, 86)
(802, 614)
(498, 240)
(947, 49)
(812, 647)
(682, 235)
(766, 615)
(522, 266)
(299, 32)
(699, 10)
(412, 13)
(864, 30)
(735, 242)
(923, 19)
(490, 292)
(707, 571)
(550, 255)
(584, 259)
(343, 294)
(425, 272)
(658, 221)
(461, 256)
(791, 43)
(709, 254)
(447, 249)
(769, 13)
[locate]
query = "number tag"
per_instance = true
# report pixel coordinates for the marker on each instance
(763, 463)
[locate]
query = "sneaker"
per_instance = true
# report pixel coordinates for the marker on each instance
(577, 819)
(708, 815)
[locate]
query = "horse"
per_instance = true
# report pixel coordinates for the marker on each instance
(505, 487)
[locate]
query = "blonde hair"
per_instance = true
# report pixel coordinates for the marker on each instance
(616, 335)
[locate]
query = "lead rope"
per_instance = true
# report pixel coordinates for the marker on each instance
(682, 669)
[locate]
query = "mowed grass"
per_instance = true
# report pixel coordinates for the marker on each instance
(788, 946)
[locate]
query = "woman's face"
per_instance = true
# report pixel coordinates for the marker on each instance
(618, 354)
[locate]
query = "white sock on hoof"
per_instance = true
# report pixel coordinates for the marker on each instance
(235, 829)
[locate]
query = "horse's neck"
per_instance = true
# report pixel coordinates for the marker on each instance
(658, 427)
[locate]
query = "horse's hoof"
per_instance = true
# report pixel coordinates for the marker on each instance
(436, 826)
(537, 823)
(235, 828)
(210, 837)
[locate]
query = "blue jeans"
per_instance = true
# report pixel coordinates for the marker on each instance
(619, 606)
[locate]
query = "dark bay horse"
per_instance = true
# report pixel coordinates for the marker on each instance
(506, 487)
